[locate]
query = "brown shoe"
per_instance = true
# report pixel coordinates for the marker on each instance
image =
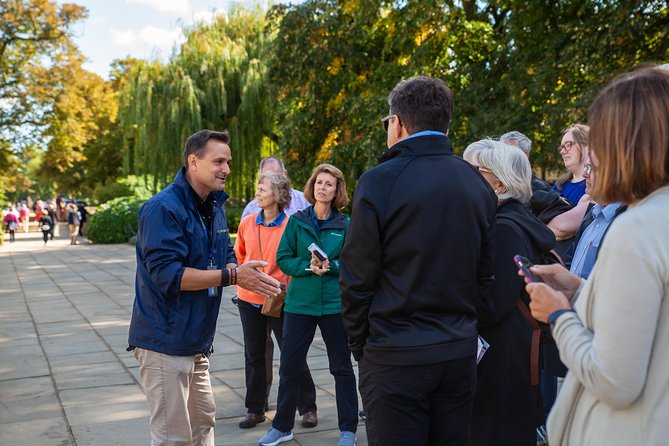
(310, 419)
(250, 420)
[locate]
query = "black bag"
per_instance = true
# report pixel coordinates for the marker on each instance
(547, 205)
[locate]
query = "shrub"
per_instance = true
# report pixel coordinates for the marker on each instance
(115, 221)
(234, 215)
(123, 187)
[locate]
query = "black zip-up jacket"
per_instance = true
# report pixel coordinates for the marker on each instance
(417, 253)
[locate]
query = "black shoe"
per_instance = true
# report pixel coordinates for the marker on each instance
(251, 419)
(362, 415)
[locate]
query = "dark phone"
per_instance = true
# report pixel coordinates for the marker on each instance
(318, 252)
(524, 264)
(283, 287)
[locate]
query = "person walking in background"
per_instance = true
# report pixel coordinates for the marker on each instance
(12, 223)
(258, 237)
(314, 300)
(297, 203)
(51, 210)
(613, 329)
(83, 227)
(184, 259)
(73, 222)
(45, 224)
(24, 215)
(507, 403)
(418, 252)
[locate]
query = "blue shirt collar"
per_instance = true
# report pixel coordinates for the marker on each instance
(276, 222)
(608, 211)
(424, 133)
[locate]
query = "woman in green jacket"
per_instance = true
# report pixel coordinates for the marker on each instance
(314, 299)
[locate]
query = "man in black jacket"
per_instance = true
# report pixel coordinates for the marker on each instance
(417, 253)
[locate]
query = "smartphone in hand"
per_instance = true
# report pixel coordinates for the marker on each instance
(318, 252)
(524, 264)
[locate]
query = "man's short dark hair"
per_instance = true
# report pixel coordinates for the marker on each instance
(196, 143)
(422, 103)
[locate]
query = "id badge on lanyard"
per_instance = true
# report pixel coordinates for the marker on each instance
(213, 291)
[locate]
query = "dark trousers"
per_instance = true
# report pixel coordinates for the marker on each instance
(11, 235)
(45, 235)
(256, 327)
(298, 333)
(421, 405)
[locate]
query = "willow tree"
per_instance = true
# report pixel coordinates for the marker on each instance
(218, 80)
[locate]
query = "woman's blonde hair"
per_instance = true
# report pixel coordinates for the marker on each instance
(629, 136)
(340, 199)
(280, 185)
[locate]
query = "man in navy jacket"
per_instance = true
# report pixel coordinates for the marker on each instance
(184, 258)
(417, 252)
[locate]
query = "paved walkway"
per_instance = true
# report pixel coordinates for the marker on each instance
(65, 377)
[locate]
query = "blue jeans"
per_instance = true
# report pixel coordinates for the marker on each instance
(255, 325)
(298, 334)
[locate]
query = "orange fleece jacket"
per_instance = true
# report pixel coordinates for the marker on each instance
(248, 248)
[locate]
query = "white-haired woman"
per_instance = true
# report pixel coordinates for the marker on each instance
(507, 403)
(258, 238)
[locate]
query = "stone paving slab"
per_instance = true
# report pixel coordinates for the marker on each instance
(65, 377)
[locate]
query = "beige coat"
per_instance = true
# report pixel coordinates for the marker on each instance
(617, 344)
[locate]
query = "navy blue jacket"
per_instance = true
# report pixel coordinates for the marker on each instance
(417, 254)
(171, 237)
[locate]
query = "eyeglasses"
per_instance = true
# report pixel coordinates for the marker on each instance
(588, 169)
(386, 121)
(566, 146)
(484, 169)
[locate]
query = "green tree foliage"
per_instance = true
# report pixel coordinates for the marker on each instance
(81, 127)
(31, 31)
(217, 81)
(528, 66)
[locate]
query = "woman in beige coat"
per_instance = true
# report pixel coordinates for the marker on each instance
(613, 329)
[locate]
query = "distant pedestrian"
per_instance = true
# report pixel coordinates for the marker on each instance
(73, 222)
(45, 223)
(24, 215)
(11, 223)
(51, 209)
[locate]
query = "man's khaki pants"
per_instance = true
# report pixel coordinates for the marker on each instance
(181, 400)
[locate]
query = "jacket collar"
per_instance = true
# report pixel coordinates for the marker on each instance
(419, 146)
(184, 187)
(338, 220)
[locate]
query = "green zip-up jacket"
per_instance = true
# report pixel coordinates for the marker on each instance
(309, 293)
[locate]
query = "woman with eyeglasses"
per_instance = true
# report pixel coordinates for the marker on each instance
(572, 149)
(507, 403)
(612, 329)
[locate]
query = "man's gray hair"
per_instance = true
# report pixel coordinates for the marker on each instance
(271, 159)
(519, 140)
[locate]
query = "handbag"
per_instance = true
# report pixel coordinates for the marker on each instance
(46, 227)
(273, 306)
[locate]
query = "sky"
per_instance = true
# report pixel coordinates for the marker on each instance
(143, 29)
